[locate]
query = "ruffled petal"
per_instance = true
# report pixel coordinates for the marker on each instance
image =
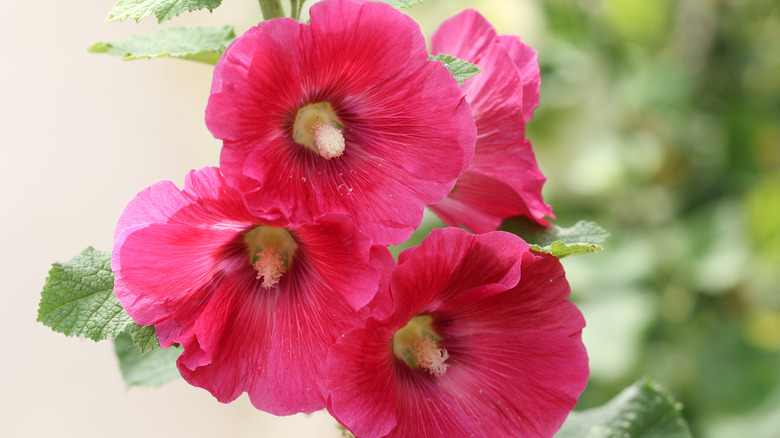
(426, 408)
(166, 270)
(516, 384)
(154, 204)
(229, 354)
(516, 362)
(456, 261)
(384, 178)
(322, 296)
(466, 36)
(481, 201)
(181, 262)
(539, 299)
(503, 179)
(520, 351)
(362, 381)
(524, 58)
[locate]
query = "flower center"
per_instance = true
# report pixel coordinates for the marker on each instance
(317, 127)
(271, 251)
(416, 343)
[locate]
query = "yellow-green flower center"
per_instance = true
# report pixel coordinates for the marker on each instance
(318, 128)
(271, 251)
(417, 344)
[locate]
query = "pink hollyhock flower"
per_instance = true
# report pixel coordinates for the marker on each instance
(345, 114)
(482, 342)
(254, 301)
(503, 179)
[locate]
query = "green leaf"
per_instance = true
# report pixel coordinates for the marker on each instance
(459, 68)
(151, 369)
(398, 4)
(561, 250)
(78, 298)
(144, 338)
(345, 433)
(643, 410)
(582, 238)
(163, 9)
(202, 44)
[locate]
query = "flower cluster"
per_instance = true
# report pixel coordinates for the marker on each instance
(273, 272)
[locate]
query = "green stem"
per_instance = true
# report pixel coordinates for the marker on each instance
(295, 8)
(271, 8)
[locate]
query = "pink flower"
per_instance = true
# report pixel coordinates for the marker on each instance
(345, 114)
(504, 179)
(254, 300)
(482, 342)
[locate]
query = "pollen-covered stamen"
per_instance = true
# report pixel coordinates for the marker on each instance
(416, 344)
(317, 127)
(270, 251)
(427, 355)
(328, 139)
(269, 267)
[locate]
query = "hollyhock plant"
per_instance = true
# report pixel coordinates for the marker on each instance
(482, 342)
(504, 179)
(254, 300)
(345, 114)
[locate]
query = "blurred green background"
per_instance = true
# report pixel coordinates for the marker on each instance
(660, 120)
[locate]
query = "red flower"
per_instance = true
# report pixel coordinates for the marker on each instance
(345, 114)
(503, 179)
(254, 300)
(482, 342)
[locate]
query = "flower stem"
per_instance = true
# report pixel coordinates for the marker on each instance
(295, 8)
(271, 8)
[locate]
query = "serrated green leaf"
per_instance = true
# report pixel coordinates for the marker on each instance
(643, 410)
(582, 238)
(202, 44)
(78, 298)
(459, 68)
(151, 369)
(162, 9)
(398, 4)
(144, 337)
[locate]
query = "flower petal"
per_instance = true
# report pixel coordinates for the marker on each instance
(515, 359)
(181, 262)
(456, 261)
(399, 111)
(503, 179)
(466, 36)
(362, 381)
(516, 384)
(233, 330)
(524, 58)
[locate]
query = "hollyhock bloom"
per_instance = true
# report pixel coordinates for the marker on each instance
(482, 342)
(254, 301)
(503, 179)
(345, 114)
